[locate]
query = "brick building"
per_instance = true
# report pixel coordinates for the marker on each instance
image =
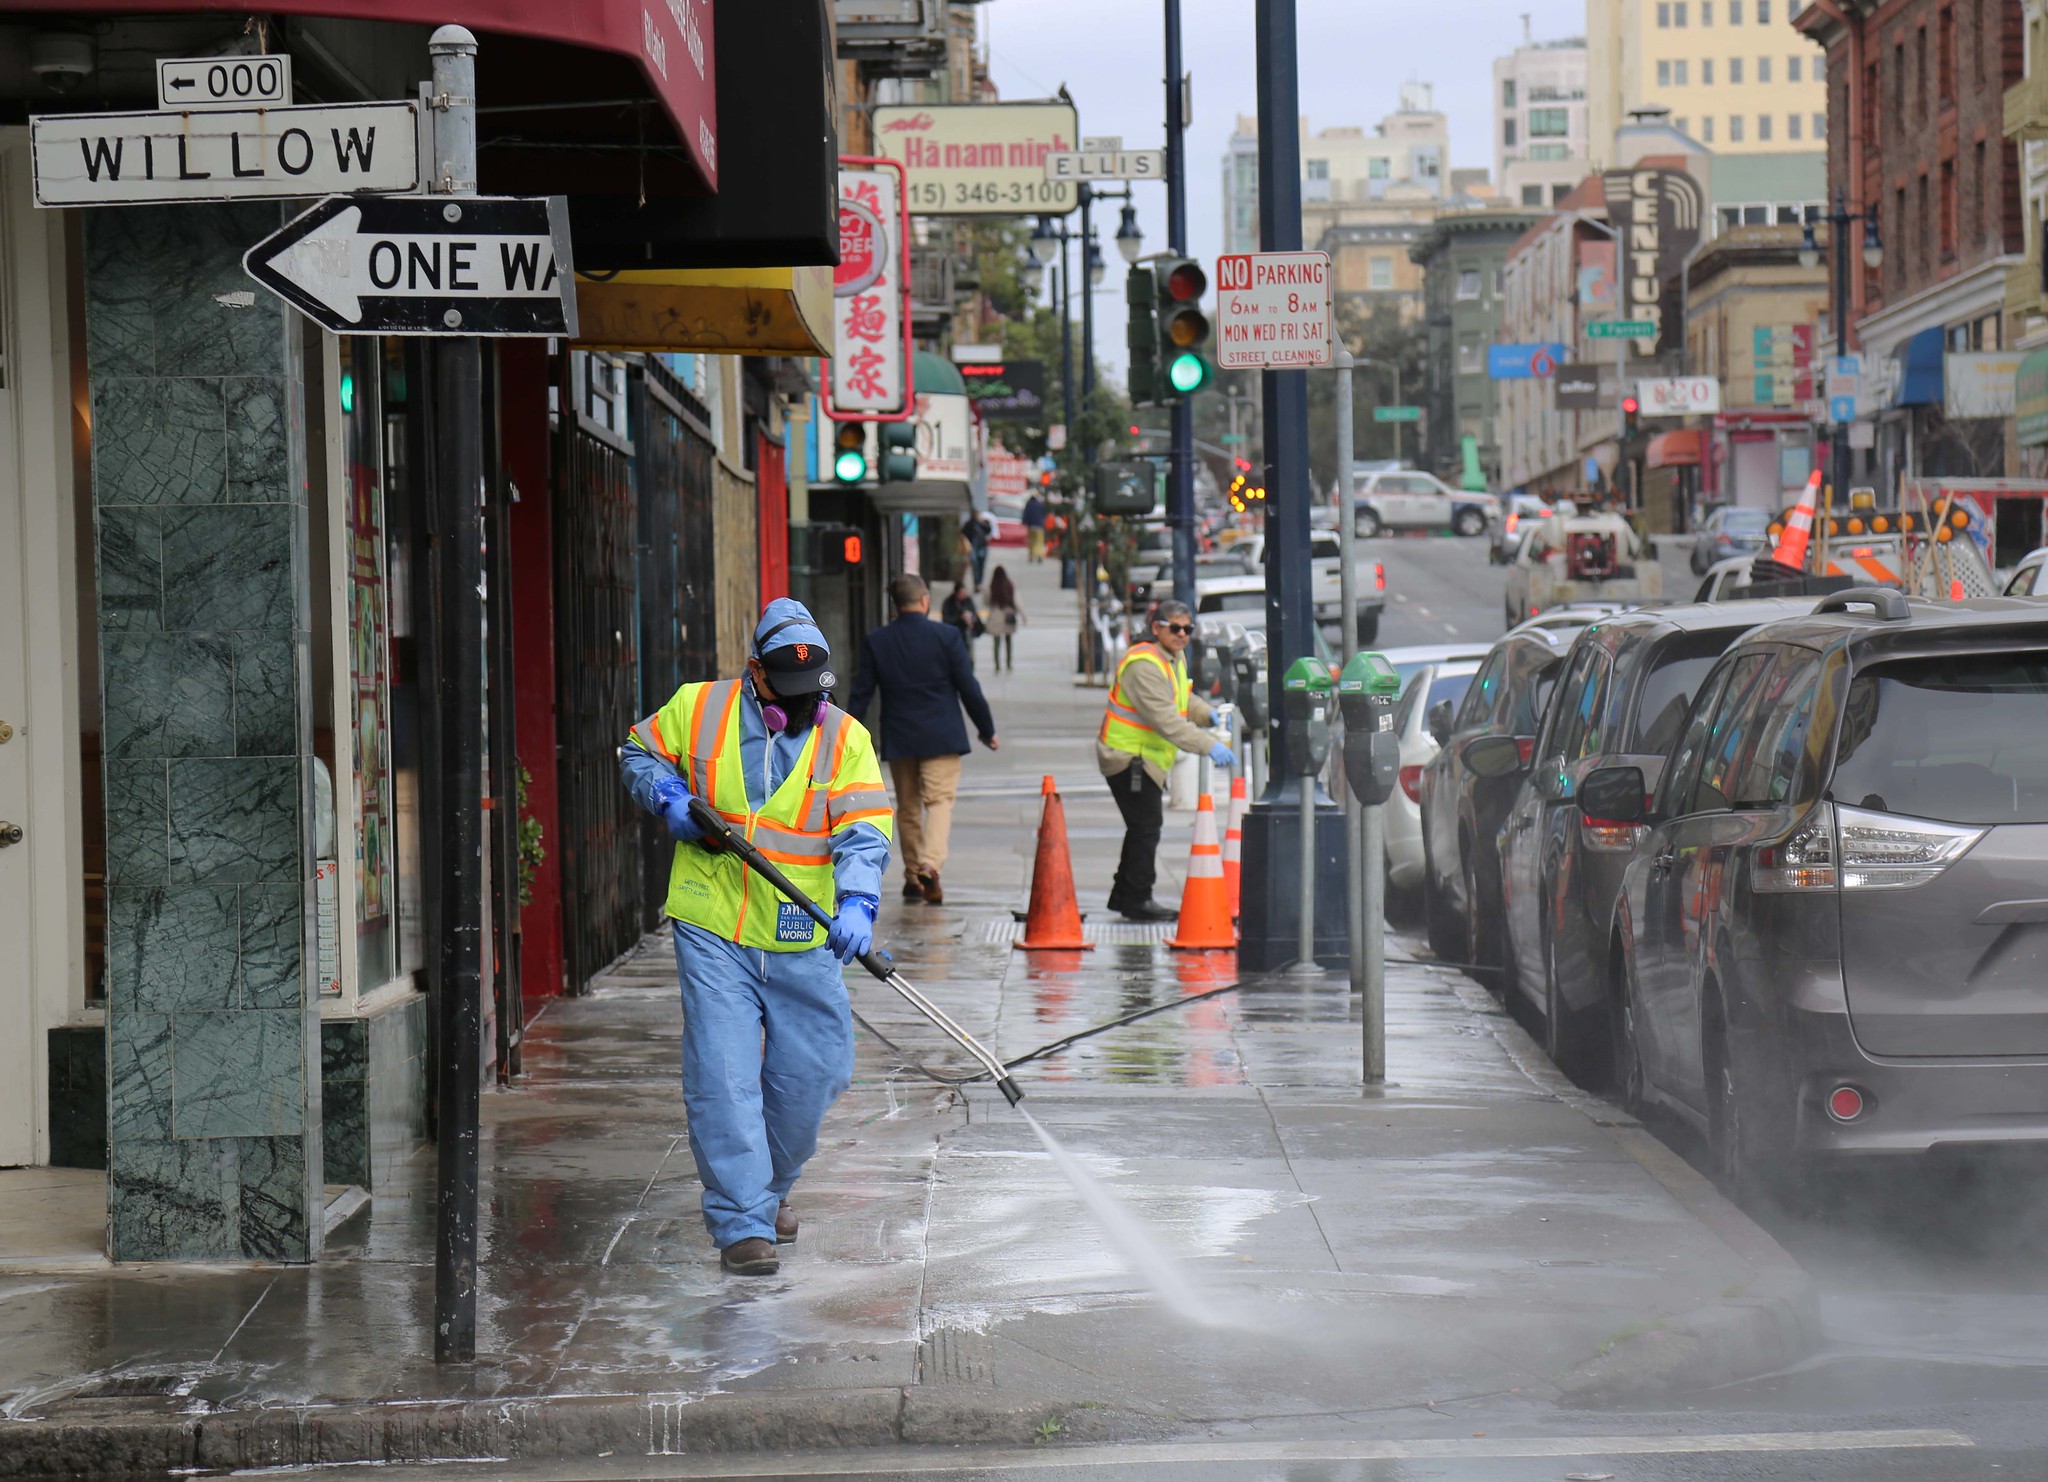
(1916, 134)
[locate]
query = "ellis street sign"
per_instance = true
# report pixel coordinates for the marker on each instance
(1113, 164)
(1622, 329)
(232, 154)
(425, 265)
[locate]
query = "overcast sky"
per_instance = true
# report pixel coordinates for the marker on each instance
(1355, 54)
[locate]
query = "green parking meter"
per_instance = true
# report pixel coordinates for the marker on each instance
(1307, 697)
(1367, 693)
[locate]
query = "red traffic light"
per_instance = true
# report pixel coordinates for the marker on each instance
(1187, 281)
(852, 550)
(1630, 405)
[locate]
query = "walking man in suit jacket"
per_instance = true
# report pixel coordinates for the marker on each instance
(922, 669)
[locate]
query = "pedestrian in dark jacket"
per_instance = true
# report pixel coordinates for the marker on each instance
(961, 612)
(925, 678)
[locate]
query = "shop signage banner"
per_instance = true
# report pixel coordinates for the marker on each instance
(945, 439)
(1658, 214)
(2030, 400)
(1272, 310)
(1006, 390)
(870, 315)
(1523, 362)
(1581, 388)
(1679, 396)
(1980, 384)
(233, 154)
(980, 159)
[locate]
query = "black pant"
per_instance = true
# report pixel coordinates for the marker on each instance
(1143, 805)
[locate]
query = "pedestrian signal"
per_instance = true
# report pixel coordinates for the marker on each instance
(850, 462)
(1143, 338)
(899, 452)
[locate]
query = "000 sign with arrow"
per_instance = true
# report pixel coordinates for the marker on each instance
(425, 265)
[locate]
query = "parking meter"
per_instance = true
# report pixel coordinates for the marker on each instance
(1309, 700)
(1367, 693)
(1248, 658)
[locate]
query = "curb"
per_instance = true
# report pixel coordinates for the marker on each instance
(1773, 1322)
(561, 1428)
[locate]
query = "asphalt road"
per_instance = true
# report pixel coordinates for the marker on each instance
(1440, 589)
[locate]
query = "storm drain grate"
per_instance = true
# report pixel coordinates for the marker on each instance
(1102, 933)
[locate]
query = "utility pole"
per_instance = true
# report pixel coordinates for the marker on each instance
(458, 455)
(1087, 300)
(1067, 333)
(1180, 479)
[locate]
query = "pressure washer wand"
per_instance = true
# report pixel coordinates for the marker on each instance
(875, 962)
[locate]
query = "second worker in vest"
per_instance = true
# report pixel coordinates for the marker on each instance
(1153, 716)
(767, 1026)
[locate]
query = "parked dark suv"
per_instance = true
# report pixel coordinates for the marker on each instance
(1628, 683)
(1462, 810)
(1832, 940)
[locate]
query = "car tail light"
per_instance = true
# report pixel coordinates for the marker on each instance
(1512, 521)
(1411, 783)
(1605, 836)
(1881, 852)
(1379, 575)
(1545, 512)
(1526, 745)
(1845, 1103)
(1803, 860)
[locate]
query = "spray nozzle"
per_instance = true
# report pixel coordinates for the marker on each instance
(1010, 1090)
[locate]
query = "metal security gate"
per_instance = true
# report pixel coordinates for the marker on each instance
(678, 634)
(597, 664)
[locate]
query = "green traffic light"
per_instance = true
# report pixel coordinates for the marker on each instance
(1187, 374)
(850, 467)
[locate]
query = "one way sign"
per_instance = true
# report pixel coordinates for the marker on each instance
(425, 265)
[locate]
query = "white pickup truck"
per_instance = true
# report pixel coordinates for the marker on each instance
(1326, 579)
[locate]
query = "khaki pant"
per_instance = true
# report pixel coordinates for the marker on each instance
(1034, 544)
(925, 787)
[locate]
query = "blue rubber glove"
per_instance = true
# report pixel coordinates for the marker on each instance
(1223, 756)
(672, 796)
(852, 933)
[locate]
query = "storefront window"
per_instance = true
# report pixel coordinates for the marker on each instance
(369, 649)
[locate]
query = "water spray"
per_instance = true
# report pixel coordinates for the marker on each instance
(717, 829)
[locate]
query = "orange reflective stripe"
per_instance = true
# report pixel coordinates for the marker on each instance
(732, 696)
(698, 755)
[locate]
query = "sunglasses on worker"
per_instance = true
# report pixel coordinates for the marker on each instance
(1184, 629)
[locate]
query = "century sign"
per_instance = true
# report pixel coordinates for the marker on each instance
(1657, 214)
(980, 159)
(870, 320)
(1272, 310)
(120, 159)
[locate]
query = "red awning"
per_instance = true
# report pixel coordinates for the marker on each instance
(664, 48)
(1677, 448)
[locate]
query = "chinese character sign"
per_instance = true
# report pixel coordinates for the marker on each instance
(870, 356)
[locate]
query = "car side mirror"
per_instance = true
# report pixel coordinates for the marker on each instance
(1439, 722)
(1498, 756)
(1614, 795)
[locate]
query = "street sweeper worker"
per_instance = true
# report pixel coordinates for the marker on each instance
(767, 1027)
(1152, 717)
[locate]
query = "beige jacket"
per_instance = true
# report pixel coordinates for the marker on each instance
(1151, 695)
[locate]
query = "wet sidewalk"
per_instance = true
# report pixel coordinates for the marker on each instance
(1469, 1244)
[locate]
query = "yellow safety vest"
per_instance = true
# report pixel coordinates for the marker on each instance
(835, 783)
(1123, 730)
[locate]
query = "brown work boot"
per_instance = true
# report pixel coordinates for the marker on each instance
(750, 1257)
(913, 888)
(785, 1225)
(933, 895)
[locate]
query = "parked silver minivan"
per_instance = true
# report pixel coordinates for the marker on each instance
(1832, 938)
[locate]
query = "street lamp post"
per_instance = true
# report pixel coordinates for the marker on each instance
(1839, 221)
(1049, 241)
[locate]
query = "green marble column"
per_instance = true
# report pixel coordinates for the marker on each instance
(198, 470)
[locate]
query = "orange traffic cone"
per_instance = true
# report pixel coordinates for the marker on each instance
(1204, 902)
(1054, 918)
(1233, 845)
(1955, 589)
(1791, 551)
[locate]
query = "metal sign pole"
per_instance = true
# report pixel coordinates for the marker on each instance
(458, 456)
(1356, 919)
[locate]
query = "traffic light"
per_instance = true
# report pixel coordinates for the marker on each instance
(1631, 412)
(1183, 329)
(1143, 338)
(899, 452)
(850, 458)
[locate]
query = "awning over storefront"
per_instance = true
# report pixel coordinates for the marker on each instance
(1679, 448)
(2030, 400)
(664, 54)
(1921, 361)
(725, 311)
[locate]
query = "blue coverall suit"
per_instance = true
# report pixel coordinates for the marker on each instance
(767, 1036)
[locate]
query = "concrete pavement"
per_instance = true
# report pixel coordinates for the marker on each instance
(1465, 1248)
